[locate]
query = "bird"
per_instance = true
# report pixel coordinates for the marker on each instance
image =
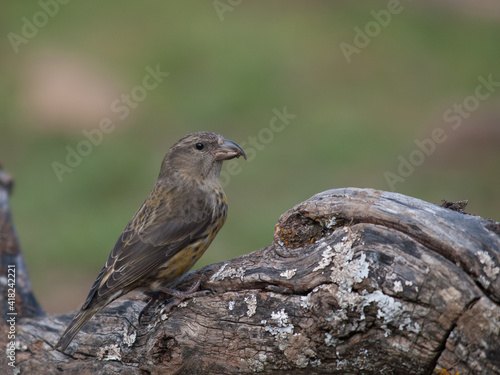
(170, 231)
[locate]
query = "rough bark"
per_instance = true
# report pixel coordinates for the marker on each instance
(12, 267)
(356, 281)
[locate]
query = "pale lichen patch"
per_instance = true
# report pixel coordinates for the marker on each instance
(109, 353)
(347, 271)
(129, 339)
(326, 257)
(391, 276)
(216, 275)
(281, 318)
(331, 222)
(330, 340)
(281, 328)
(409, 325)
(316, 362)
(307, 301)
(490, 269)
(21, 347)
(304, 301)
(225, 272)
(297, 347)
(391, 311)
(258, 362)
(288, 274)
(398, 287)
(251, 302)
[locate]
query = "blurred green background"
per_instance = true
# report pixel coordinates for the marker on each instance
(231, 66)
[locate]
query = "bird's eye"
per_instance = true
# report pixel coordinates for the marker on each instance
(199, 146)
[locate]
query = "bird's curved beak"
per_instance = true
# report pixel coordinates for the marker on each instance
(228, 150)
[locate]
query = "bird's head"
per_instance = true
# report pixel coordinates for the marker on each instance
(198, 155)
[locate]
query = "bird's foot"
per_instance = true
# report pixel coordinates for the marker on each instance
(181, 296)
(154, 297)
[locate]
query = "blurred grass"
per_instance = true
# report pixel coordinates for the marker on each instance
(353, 120)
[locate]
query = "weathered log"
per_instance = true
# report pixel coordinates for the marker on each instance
(356, 281)
(13, 274)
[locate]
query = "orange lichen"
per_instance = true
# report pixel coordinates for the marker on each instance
(444, 371)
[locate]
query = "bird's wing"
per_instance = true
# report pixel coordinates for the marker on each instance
(166, 223)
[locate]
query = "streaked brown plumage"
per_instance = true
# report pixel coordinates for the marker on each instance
(170, 231)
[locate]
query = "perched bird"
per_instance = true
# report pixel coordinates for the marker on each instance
(171, 230)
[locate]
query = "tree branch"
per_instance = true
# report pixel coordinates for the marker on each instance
(355, 281)
(12, 267)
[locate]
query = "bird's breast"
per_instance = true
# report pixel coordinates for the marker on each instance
(181, 262)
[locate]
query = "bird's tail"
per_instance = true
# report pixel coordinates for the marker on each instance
(75, 326)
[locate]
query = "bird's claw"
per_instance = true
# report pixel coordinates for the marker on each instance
(179, 297)
(154, 297)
